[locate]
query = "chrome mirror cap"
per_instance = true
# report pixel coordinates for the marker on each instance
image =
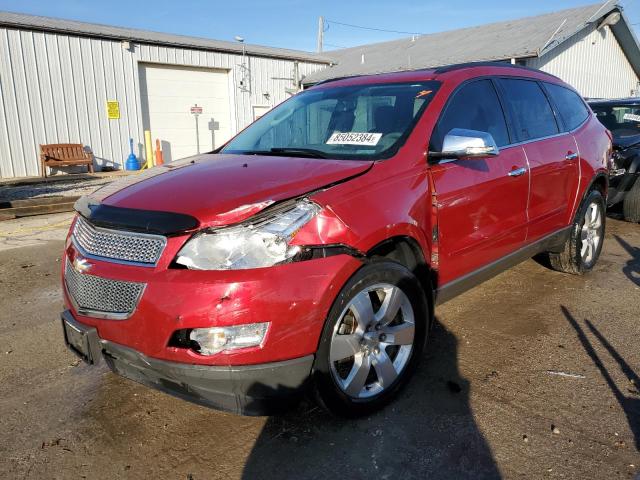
(463, 143)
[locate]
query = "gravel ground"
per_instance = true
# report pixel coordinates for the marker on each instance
(67, 187)
(532, 375)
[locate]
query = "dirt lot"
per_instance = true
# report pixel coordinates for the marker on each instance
(532, 375)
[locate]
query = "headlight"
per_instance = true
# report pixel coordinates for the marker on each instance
(262, 244)
(216, 339)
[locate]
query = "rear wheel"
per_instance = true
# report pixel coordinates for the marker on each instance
(372, 340)
(631, 203)
(582, 248)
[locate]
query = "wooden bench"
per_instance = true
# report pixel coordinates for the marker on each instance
(64, 155)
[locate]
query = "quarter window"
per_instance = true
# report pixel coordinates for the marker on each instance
(475, 107)
(530, 108)
(571, 107)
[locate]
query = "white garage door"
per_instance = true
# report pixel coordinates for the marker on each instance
(169, 92)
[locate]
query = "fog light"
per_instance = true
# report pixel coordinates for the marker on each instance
(216, 339)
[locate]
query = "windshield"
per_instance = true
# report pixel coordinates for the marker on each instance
(352, 122)
(622, 120)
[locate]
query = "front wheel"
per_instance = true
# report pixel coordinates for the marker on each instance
(372, 340)
(582, 248)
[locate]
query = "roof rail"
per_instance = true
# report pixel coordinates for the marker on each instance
(459, 66)
(439, 70)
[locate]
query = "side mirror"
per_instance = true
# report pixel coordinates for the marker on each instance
(463, 143)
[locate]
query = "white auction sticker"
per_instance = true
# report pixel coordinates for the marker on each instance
(631, 116)
(354, 138)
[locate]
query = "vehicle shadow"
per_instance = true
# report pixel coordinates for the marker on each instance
(629, 404)
(429, 431)
(632, 268)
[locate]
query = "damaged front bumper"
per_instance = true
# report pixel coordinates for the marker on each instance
(261, 389)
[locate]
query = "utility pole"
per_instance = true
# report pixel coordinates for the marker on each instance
(320, 33)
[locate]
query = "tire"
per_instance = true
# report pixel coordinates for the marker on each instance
(631, 203)
(582, 248)
(361, 340)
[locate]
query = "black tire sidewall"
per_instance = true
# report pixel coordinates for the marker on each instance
(374, 272)
(593, 196)
(631, 203)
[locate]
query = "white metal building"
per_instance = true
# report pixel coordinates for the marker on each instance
(56, 77)
(592, 48)
(72, 82)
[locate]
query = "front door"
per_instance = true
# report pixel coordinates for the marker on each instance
(482, 202)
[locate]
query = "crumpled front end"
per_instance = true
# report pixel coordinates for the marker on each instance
(145, 303)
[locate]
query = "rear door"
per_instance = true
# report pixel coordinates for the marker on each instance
(481, 202)
(551, 153)
(574, 113)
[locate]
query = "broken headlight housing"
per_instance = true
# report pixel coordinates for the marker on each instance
(254, 245)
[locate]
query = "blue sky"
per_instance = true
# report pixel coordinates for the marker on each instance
(291, 24)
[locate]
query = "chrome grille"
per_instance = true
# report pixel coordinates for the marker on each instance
(117, 245)
(102, 297)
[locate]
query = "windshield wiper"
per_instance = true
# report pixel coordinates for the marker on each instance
(290, 151)
(299, 152)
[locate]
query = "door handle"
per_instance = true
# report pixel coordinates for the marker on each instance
(571, 156)
(517, 172)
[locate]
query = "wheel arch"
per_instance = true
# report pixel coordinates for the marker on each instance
(600, 182)
(406, 251)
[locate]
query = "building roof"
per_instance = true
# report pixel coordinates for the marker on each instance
(72, 27)
(521, 38)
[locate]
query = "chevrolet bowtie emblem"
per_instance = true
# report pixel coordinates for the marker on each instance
(81, 265)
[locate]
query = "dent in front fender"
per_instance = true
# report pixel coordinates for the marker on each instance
(369, 210)
(326, 228)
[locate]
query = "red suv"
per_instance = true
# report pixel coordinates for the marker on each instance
(308, 253)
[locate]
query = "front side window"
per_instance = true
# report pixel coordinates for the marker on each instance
(571, 107)
(475, 106)
(351, 122)
(530, 108)
(619, 119)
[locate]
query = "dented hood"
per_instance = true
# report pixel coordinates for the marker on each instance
(224, 189)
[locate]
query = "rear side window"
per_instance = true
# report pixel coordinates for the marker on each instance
(570, 106)
(475, 107)
(530, 108)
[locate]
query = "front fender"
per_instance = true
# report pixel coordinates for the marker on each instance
(373, 208)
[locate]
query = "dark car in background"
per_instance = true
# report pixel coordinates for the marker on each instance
(622, 118)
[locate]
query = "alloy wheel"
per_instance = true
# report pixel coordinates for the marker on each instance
(591, 234)
(372, 341)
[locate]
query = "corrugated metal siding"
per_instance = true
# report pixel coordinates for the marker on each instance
(593, 62)
(54, 88)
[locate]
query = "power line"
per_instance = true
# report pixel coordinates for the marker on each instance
(372, 28)
(334, 45)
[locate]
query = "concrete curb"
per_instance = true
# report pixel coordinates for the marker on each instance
(75, 177)
(37, 206)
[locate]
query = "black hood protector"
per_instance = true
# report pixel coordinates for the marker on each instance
(143, 221)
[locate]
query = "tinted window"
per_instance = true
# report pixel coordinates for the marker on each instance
(571, 107)
(475, 107)
(532, 113)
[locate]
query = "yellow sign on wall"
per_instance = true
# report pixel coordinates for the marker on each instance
(113, 109)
